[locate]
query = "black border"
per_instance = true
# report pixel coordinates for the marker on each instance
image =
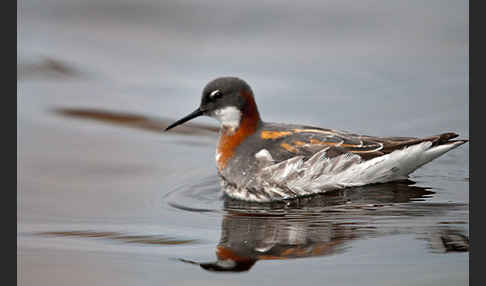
(10, 36)
(475, 48)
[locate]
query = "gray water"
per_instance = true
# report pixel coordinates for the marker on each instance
(104, 197)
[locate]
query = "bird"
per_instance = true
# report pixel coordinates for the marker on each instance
(261, 161)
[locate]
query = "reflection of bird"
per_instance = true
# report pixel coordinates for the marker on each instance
(318, 226)
(247, 238)
(261, 161)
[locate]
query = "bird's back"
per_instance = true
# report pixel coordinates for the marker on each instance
(283, 160)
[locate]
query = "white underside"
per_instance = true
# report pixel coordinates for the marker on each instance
(320, 174)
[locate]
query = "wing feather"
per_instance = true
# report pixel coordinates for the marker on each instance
(306, 141)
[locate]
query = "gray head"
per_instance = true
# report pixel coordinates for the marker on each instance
(227, 99)
(224, 92)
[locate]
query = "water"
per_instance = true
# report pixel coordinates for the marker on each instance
(105, 198)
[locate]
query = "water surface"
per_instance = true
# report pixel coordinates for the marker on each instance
(105, 197)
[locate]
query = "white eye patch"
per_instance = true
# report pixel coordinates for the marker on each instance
(215, 93)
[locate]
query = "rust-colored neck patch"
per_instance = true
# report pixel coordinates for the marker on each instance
(230, 139)
(224, 253)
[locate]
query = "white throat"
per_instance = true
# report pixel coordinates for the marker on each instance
(228, 116)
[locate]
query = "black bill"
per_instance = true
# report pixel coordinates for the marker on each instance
(194, 114)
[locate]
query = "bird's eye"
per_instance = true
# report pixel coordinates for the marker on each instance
(215, 94)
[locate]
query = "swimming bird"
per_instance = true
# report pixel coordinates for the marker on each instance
(261, 161)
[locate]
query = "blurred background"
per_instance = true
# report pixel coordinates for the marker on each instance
(363, 56)
(89, 68)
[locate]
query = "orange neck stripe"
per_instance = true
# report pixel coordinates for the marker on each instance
(230, 139)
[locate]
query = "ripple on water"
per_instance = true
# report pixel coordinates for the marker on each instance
(319, 225)
(200, 194)
(204, 194)
(117, 236)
